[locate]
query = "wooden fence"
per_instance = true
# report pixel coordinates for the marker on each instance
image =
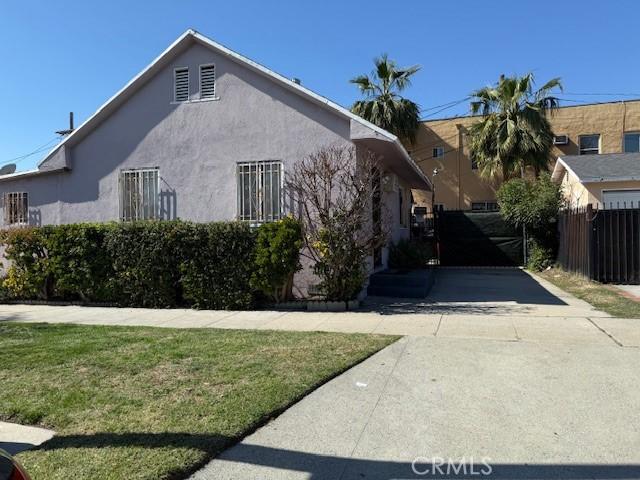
(601, 244)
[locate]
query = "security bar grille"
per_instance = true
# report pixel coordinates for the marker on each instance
(16, 208)
(260, 191)
(207, 81)
(140, 194)
(181, 84)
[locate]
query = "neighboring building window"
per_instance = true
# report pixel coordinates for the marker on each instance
(181, 84)
(260, 191)
(16, 208)
(632, 142)
(438, 152)
(207, 81)
(140, 194)
(474, 163)
(484, 207)
(589, 144)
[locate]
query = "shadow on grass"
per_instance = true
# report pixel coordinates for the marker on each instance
(331, 467)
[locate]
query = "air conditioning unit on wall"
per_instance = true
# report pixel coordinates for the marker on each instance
(560, 139)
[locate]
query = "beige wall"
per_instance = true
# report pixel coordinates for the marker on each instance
(580, 195)
(457, 186)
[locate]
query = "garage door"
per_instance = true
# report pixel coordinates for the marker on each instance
(621, 198)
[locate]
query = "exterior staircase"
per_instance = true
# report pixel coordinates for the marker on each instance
(401, 284)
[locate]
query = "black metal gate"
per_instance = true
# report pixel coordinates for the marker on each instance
(477, 239)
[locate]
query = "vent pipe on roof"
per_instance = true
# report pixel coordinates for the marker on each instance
(70, 129)
(297, 81)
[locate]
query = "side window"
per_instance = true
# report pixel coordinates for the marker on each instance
(181, 84)
(259, 191)
(139, 194)
(589, 144)
(16, 208)
(438, 152)
(631, 142)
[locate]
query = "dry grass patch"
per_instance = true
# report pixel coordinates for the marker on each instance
(603, 297)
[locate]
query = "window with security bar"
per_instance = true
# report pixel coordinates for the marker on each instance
(260, 191)
(16, 208)
(140, 194)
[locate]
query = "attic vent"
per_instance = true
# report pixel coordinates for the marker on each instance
(207, 81)
(560, 139)
(181, 84)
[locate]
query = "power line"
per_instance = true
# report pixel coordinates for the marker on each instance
(451, 105)
(40, 149)
(453, 102)
(602, 94)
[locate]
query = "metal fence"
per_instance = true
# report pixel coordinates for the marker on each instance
(602, 244)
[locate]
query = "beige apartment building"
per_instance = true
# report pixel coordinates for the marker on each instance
(579, 130)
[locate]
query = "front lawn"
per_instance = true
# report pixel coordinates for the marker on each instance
(149, 403)
(603, 297)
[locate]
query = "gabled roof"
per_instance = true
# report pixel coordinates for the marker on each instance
(180, 45)
(607, 167)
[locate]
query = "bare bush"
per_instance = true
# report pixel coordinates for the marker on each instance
(339, 197)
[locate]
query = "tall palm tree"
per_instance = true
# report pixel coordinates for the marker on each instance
(383, 105)
(514, 132)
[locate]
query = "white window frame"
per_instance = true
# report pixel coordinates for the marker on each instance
(589, 151)
(175, 84)
(22, 203)
(485, 206)
(624, 140)
(260, 216)
(215, 89)
(139, 214)
(438, 152)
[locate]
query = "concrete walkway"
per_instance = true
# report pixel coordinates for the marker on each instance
(16, 438)
(529, 410)
(499, 304)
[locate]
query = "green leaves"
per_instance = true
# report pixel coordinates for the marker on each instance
(514, 132)
(534, 205)
(277, 258)
(383, 105)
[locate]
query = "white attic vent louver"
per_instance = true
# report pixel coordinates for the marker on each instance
(560, 139)
(181, 84)
(207, 81)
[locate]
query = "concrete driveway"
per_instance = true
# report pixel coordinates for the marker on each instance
(519, 380)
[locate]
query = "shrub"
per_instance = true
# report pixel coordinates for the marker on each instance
(407, 254)
(79, 261)
(145, 259)
(533, 205)
(340, 189)
(217, 265)
(340, 263)
(29, 275)
(277, 258)
(540, 257)
(150, 264)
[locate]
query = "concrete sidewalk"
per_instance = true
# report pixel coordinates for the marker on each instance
(489, 304)
(16, 438)
(529, 411)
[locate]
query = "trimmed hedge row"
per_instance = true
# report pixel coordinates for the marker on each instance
(145, 264)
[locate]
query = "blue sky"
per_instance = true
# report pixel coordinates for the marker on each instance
(73, 55)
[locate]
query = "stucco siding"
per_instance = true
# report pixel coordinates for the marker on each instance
(196, 145)
(457, 186)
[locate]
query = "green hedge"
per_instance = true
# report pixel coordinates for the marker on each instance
(146, 264)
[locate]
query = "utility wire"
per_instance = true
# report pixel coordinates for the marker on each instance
(40, 149)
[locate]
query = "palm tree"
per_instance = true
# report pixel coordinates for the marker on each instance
(514, 132)
(383, 105)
